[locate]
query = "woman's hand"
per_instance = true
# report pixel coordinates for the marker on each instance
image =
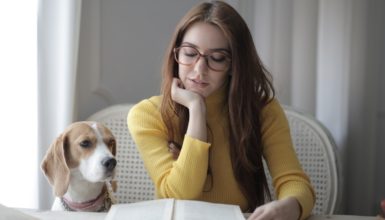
(196, 127)
(285, 209)
(183, 96)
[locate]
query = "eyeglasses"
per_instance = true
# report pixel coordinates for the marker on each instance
(216, 60)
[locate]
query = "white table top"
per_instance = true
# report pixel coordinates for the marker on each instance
(63, 215)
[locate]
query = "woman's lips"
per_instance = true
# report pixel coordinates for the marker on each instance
(199, 83)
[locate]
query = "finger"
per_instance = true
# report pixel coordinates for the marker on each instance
(262, 216)
(257, 212)
(177, 82)
(174, 86)
(266, 215)
(174, 83)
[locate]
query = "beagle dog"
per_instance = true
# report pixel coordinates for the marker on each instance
(80, 164)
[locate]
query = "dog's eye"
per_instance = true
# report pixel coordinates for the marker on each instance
(85, 143)
(111, 143)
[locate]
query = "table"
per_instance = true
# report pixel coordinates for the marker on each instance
(63, 215)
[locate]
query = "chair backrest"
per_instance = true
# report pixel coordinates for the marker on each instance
(134, 184)
(318, 156)
(313, 143)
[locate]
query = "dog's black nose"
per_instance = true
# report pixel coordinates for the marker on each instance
(109, 163)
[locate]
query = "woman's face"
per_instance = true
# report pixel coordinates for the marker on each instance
(207, 40)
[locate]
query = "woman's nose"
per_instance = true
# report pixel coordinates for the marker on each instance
(201, 66)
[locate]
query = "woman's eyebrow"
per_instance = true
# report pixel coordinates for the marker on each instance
(211, 49)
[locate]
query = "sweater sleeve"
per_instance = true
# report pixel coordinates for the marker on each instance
(183, 178)
(288, 177)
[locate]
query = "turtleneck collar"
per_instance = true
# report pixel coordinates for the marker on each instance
(216, 102)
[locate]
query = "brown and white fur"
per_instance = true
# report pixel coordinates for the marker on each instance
(78, 164)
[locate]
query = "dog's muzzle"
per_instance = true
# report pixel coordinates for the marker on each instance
(109, 164)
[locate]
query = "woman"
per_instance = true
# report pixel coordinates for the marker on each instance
(204, 138)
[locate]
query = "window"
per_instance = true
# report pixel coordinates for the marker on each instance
(18, 95)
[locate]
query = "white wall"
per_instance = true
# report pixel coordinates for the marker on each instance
(121, 50)
(376, 65)
(327, 58)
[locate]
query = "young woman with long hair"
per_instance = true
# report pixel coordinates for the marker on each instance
(206, 135)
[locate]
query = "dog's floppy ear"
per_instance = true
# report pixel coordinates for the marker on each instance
(55, 168)
(114, 185)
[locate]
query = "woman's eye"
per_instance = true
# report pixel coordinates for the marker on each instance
(85, 143)
(191, 54)
(218, 58)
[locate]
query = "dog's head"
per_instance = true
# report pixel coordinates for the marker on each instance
(89, 147)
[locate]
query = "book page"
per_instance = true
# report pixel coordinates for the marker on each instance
(197, 210)
(10, 213)
(160, 209)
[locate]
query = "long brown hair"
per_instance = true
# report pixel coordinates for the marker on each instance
(250, 89)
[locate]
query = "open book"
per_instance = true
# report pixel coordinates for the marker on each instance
(171, 209)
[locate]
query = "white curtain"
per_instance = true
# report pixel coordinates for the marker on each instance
(58, 37)
(18, 95)
(327, 59)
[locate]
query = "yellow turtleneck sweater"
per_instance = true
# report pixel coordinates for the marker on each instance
(186, 177)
